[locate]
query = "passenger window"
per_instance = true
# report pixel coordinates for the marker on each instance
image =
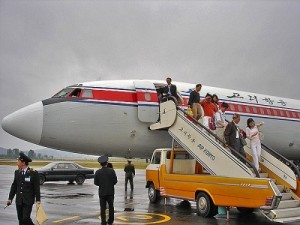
(254, 110)
(261, 111)
(231, 106)
(281, 112)
(61, 166)
(247, 109)
(275, 112)
(288, 114)
(294, 114)
(70, 166)
(240, 108)
(268, 111)
(87, 93)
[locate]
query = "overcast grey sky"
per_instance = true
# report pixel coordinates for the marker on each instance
(47, 45)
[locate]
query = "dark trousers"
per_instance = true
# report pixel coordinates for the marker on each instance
(110, 200)
(23, 212)
(240, 149)
(130, 178)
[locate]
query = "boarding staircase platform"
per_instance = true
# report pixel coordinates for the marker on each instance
(210, 152)
(281, 171)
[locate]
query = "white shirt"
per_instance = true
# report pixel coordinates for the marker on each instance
(255, 139)
(220, 116)
(237, 131)
(24, 170)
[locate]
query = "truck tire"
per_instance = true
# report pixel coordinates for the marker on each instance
(153, 194)
(205, 206)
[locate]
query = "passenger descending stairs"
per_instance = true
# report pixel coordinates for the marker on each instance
(200, 143)
(279, 169)
(204, 147)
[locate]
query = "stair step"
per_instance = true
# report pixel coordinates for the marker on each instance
(286, 220)
(289, 204)
(280, 187)
(285, 213)
(286, 196)
(264, 175)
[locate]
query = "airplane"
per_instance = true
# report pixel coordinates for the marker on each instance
(113, 117)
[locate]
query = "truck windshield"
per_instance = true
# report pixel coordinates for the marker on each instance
(156, 158)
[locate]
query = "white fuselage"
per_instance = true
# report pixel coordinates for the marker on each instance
(113, 117)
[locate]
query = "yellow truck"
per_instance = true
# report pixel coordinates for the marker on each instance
(175, 173)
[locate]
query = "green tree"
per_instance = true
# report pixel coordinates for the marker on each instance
(16, 152)
(31, 154)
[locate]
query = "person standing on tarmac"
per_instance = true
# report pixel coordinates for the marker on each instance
(26, 187)
(106, 179)
(129, 174)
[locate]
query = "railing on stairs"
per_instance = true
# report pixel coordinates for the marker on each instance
(249, 164)
(282, 159)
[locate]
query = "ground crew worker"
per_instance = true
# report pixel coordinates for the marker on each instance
(106, 179)
(26, 187)
(129, 174)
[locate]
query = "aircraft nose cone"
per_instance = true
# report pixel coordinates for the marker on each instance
(26, 123)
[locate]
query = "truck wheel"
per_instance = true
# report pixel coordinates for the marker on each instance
(42, 179)
(205, 206)
(80, 179)
(153, 194)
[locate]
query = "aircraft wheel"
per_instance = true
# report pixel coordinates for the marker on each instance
(80, 179)
(153, 194)
(205, 206)
(42, 179)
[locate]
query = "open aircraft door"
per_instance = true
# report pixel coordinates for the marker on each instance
(148, 107)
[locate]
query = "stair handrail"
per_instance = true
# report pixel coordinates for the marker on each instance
(222, 142)
(280, 157)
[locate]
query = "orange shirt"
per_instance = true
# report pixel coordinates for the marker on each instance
(209, 108)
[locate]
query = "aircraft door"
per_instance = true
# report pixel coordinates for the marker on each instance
(148, 108)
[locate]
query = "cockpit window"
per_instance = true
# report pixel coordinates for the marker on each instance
(76, 93)
(68, 92)
(63, 93)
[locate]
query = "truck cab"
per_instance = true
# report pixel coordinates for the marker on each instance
(175, 173)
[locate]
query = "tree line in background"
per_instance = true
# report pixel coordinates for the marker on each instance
(14, 154)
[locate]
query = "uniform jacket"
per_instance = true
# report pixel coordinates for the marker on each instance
(230, 134)
(25, 187)
(129, 170)
(106, 179)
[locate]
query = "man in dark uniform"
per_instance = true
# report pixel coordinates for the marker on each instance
(129, 174)
(106, 179)
(26, 187)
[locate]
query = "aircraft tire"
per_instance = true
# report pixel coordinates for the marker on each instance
(80, 179)
(153, 194)
(205, 206)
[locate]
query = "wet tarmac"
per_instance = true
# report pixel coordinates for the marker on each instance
(79, 204)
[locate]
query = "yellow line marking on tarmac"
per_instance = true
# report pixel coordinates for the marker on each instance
(69, 218)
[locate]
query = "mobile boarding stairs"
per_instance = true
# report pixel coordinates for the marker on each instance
(210, 152)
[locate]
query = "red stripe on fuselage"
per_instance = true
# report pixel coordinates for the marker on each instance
(151, 97)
